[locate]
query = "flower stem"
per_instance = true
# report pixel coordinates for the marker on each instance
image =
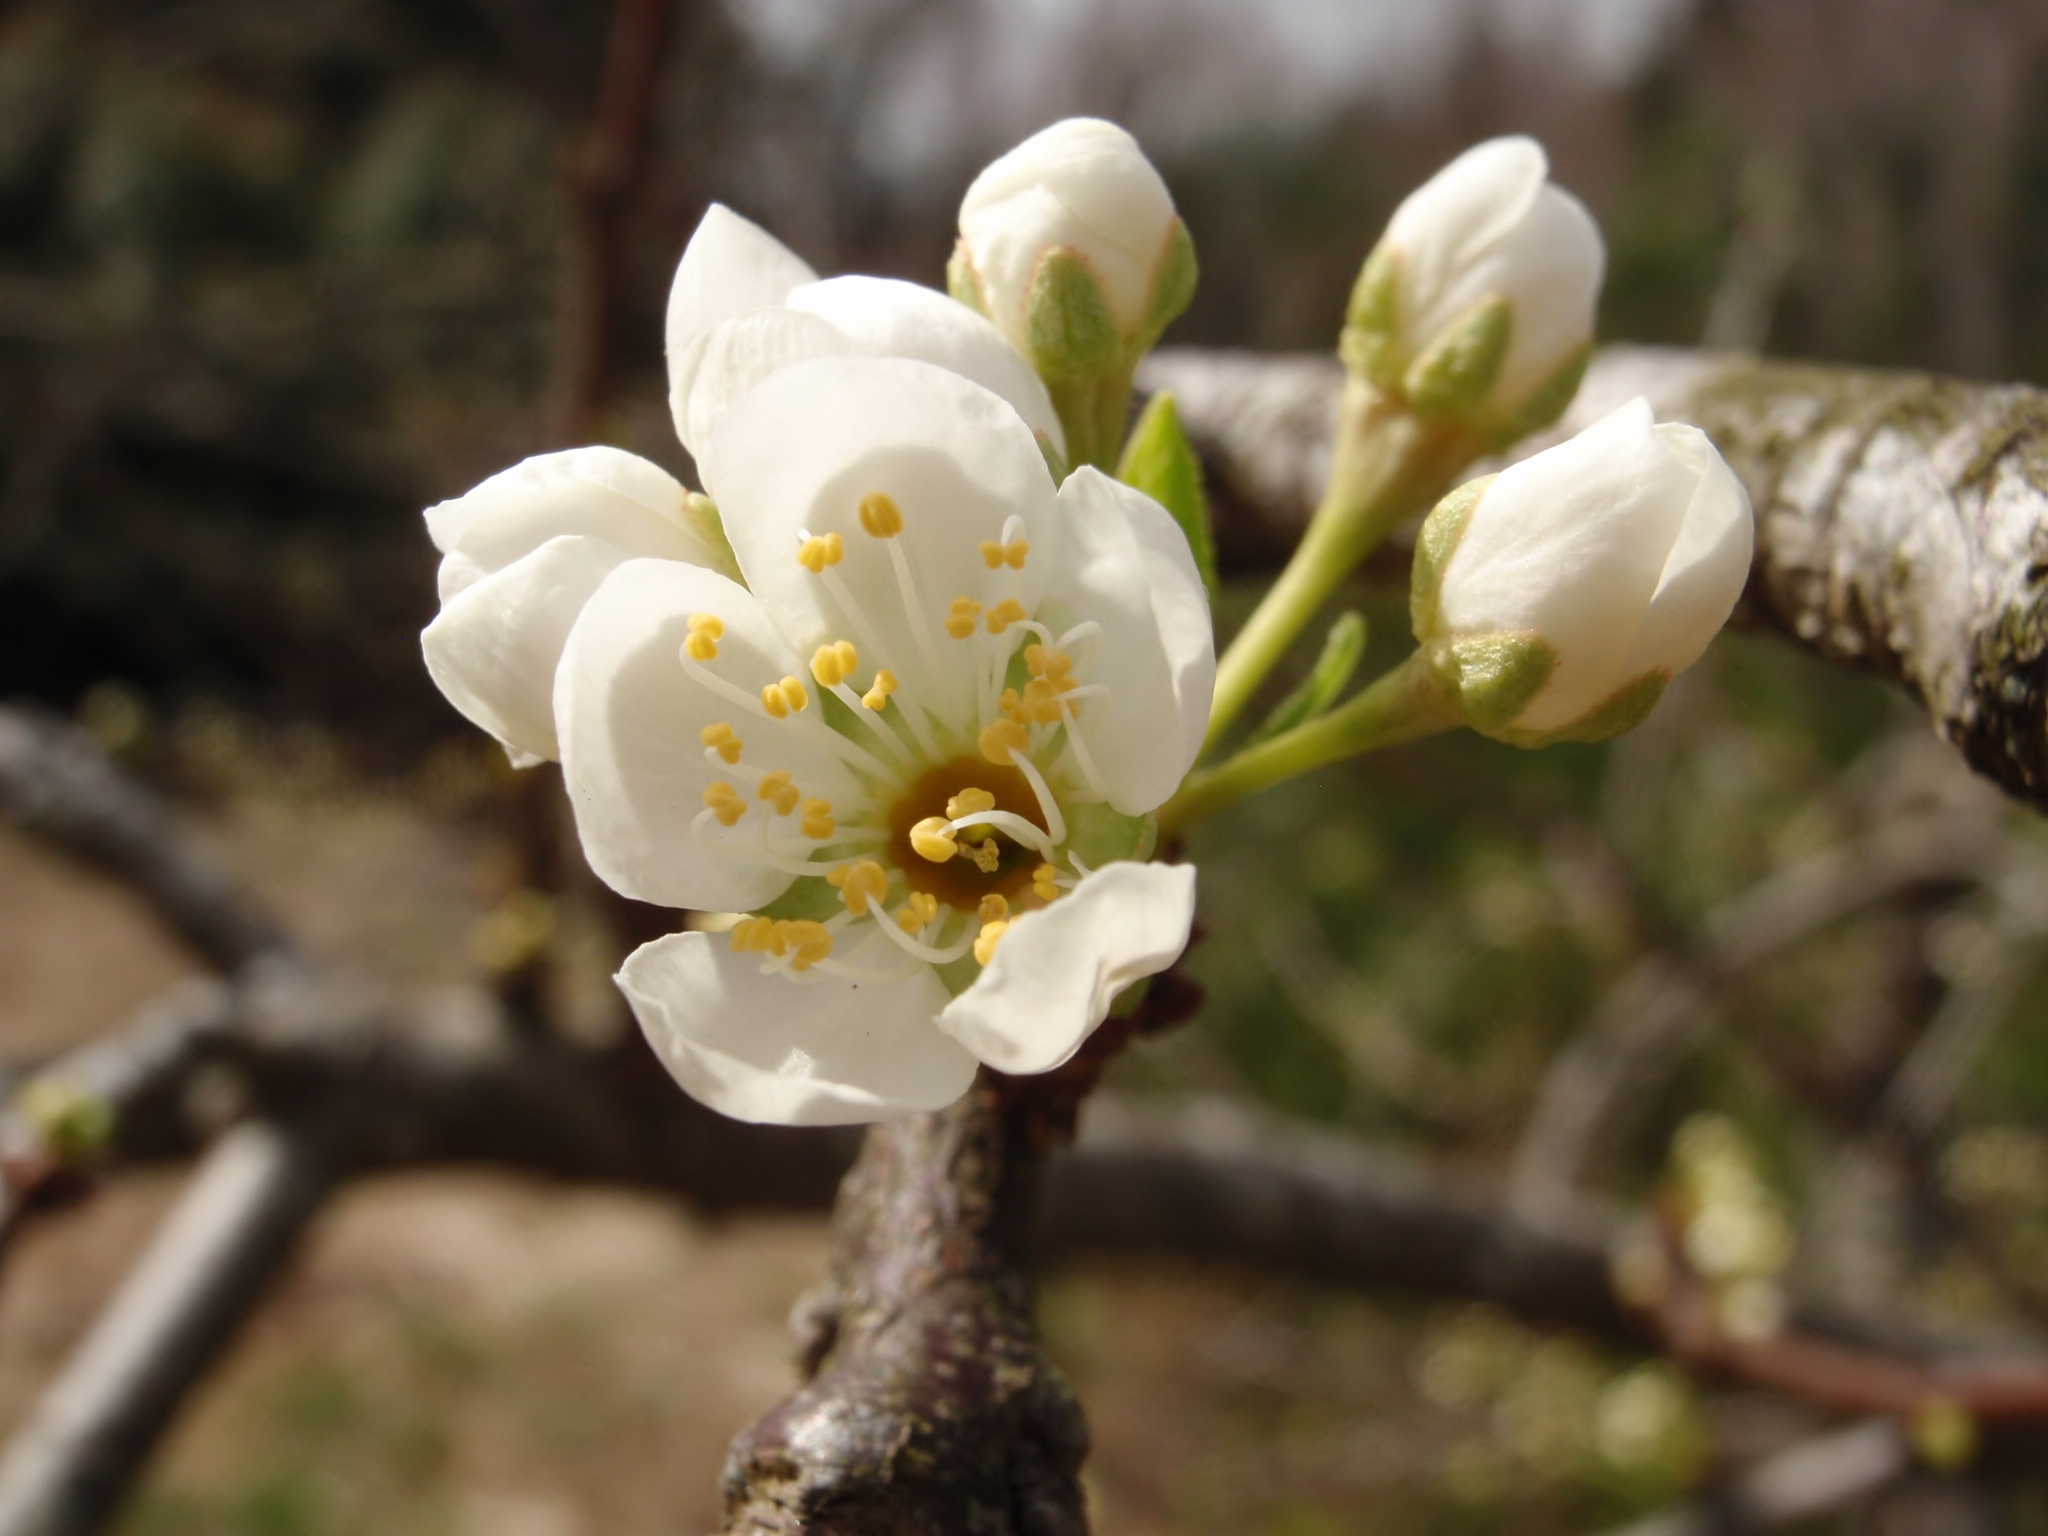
(1093, 413)
(1402, 705)
(1388, 461)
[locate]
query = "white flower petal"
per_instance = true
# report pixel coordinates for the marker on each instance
(494, 649)
(1056, 971)
(605, 493)
(1707, 566)
(740, 354)
(800, 453)
(1552, 267)
(730, 266)
(631, 718)
(1128, 568)
(784, 1051)
(885, 317)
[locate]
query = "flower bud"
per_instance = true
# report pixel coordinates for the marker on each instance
(1477, 304)
(1070, 244)
(1554, 601)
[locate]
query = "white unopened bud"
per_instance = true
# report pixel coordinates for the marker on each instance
(1071, 245)
(1478, 301)
(1556, 599)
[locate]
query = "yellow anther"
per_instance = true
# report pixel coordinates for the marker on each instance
(1000, 738)
(1041, 702)
(752, 935)
(934, 840)
(970, 802)
(860, 885)
(700, 646)
(986, 941)
(818, 823)
(1056, 667)
(988, 857)
(779, 791)
(779, 699)
(707, 624)
(995, 556)
(832, 664)
(810, 941)
(1045, 882)
(962, 617)
(819, 551)
(723, 740)
(725, 803)
(880, 515)
(878, 695)
(994, 909)
(1011, 706)
(1009, 611)
(916, 912)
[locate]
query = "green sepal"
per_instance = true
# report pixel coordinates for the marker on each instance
(1491, 678)
(809, 899)
(1368, 344)
(1548, 401)
(961, 282)
(1342, 648)
(1072, 333)
(1160, 461)
(1102, 836)
(1434, 545)
(1454, 377)
(1173, 287)
(700, 515)
(1620, 712)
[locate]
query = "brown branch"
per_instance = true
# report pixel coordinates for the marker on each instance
(930, 1406)
(1902, 520)
(57, 786)
(72, 1463)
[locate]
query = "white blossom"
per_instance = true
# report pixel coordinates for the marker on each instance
(1491, 268)
(743, 305)
(1565, 591)
(915, 742)
(1083, 187)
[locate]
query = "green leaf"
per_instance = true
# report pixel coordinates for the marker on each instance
(1342, 648)
(1160, 461)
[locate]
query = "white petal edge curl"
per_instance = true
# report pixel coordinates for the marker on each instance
(731, 265)
(1707, 567)
(886, 317)
(494, 648)
(799, 453)
(1058, 969)
(602, 492)
(740, 355)
(631, 719)
(781, 1051)
(1129, 569)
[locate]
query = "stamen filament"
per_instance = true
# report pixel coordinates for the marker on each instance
(1030, 834)
(925, 952)
(1080, 750)
(1055, 823)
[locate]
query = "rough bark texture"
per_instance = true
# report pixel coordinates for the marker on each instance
(1902, 520)
(931, 1410)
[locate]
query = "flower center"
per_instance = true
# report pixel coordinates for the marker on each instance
(987, 861)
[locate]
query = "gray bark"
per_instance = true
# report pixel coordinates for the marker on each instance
(1902, 520)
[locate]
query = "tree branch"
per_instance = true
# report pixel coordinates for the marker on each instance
(56, 785)
(1902, 520)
